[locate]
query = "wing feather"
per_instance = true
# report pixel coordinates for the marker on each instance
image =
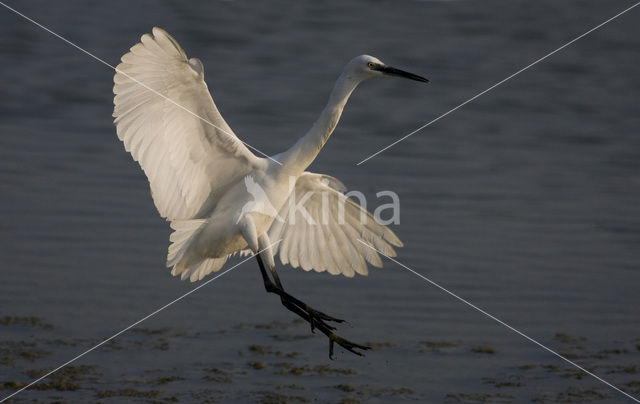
(328, 244)
(347, 259)
(315, 259)
(167, 120)
(295, 243)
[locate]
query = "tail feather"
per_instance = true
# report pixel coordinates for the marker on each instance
(187, 266)
(184, 231)
(207, 266)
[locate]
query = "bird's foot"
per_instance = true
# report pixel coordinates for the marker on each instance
(318, 316)
(316, 319)
(346, 344)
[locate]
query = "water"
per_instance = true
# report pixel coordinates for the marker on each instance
(525, 202)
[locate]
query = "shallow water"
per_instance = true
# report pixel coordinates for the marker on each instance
(526, 202)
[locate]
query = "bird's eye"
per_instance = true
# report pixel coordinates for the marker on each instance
(371, 65)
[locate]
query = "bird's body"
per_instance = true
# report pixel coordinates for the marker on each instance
(222, 199)
(221, 232)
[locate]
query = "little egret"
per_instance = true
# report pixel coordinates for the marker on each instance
(214, 190)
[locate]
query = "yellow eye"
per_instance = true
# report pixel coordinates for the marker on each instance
(371, 65)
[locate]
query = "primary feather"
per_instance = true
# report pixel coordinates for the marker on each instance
(169, 123)
(331, 238)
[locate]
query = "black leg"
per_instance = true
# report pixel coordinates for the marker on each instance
(314, 317)
(279, 290)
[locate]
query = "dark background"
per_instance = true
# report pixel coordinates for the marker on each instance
(526, 202)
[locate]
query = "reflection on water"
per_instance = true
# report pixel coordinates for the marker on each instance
(525, 202)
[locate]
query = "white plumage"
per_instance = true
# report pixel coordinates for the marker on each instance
(163, 125)
(330, 242)
(198, 171)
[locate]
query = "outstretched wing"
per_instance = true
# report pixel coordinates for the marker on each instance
(169, 123)
(328, 234)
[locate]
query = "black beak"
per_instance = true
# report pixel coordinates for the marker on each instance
(392, 71)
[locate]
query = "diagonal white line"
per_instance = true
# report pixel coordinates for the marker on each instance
(500, 82)
(501, 322)
(135, 324)
(138, 82)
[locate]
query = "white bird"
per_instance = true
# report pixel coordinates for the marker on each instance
(198, 169)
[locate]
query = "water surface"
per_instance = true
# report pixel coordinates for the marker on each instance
(525, 202)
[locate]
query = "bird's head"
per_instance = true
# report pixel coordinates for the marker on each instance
(365, 67)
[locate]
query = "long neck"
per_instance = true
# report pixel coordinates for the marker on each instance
(305, 150)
